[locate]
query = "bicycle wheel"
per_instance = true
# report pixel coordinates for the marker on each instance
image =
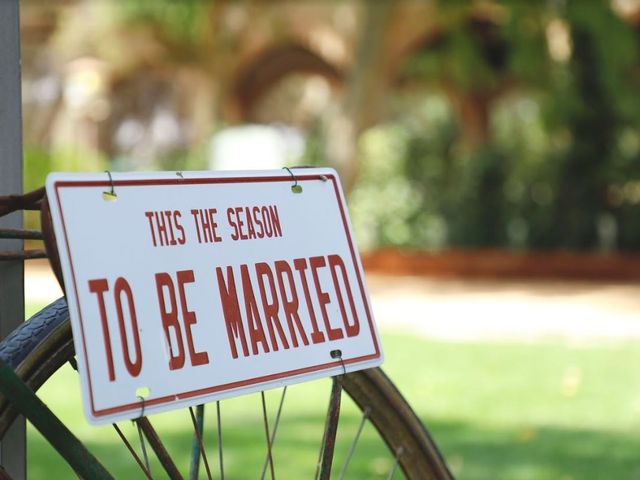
(42, 345)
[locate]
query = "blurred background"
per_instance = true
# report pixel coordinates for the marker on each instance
(475, 124)
(490, 152)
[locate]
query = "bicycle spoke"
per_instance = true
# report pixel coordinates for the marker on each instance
(133, 452)
(220, 449)
(266, 429)
(157, 446)
(352, 448)
(47, 340)
(273, 434)
(394, 467)
(199, 437)
(323, 472)
(194, 465)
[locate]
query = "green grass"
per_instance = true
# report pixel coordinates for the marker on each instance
(526, 411)
(498, 411)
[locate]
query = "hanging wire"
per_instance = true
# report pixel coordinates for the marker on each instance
(143, 446)
(111, 195)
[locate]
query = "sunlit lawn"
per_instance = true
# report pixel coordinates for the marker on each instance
(498, 411)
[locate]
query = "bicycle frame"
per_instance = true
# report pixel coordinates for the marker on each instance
(60, 437)
(21, 396)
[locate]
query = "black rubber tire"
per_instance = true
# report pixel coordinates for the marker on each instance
(40, 346)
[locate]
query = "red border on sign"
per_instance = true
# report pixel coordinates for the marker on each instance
(232, 385)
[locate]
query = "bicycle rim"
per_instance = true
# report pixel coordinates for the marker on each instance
(41, 346)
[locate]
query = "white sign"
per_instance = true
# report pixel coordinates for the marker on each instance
(192, 287)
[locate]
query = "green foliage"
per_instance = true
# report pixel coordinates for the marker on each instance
(456, 58)
(524, 411)
(180, 22)
(560, 167)
(39, 162)
(419, 188)
(37, 165)
(524, 32)
(314, 154)
(592, 105)
(181, 160)
(477, 214)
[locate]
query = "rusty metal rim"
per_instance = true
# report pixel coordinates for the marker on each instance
(370, 389)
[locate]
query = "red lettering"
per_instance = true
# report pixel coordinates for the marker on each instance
(176, 215)
(256, 332)
(169, 319)
(189, 318)
(164, 225)
(236, 234)
(149, 216)
(231, 310)
(336, 263)
(238, 210)
(214, 225)
(169, 223)
(206, 223)
(252, 232)
(250, 223)
(133, 366)
(206, 226)
(275, 219)
(98, 287)
(268, 227)
(270, 308)
(290, 307)
(194, 212)
(162, 229)
(323, 298)
(256, 212)
(300, 265)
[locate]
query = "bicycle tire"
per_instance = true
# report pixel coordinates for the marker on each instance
(41, 345)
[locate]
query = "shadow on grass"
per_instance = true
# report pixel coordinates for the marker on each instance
(497, 411)
(472, 451)
(537, 453)
(295, 452)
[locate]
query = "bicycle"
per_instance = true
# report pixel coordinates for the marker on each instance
(43, 344)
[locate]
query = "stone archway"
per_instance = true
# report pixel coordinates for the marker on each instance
(269, 67)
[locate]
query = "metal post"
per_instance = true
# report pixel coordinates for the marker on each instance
(12, 449)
